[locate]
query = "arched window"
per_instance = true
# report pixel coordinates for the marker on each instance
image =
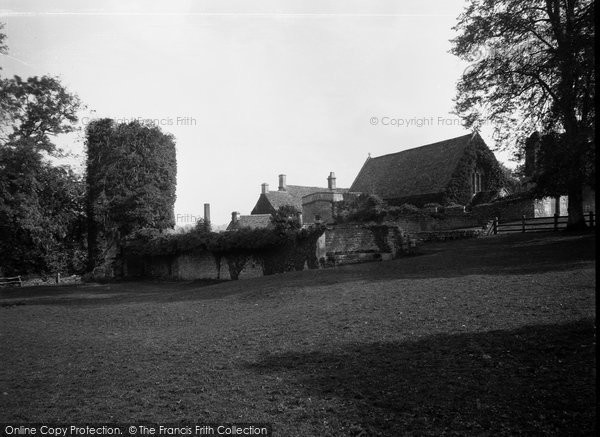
(476, 182)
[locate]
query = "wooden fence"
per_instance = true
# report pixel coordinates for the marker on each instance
(15, 280)
(537, 224)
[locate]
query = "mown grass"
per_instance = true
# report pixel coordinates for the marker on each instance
(486, 337)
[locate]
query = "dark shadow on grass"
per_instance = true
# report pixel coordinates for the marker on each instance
(537, 380)
(499, 255)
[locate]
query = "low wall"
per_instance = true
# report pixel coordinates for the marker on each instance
(187, 267)
(198, 266)
(443, 222)
(340, 241)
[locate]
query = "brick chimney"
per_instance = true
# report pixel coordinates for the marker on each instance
(264, 188)
(235, 217)
(207, 213)
(282, 184)
(331, 181)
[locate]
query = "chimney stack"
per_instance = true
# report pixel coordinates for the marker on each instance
(264, 188)
(282, 184)
(207, 213)
(331, 181)
(235, 217)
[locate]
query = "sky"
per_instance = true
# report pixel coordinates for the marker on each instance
(251, 89)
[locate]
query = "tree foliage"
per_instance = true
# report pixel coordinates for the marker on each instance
(42, 224)
(131, 181)
(286, 218)
(532, 69)
(549, 175)
(36, 109)
(42, 221)
(3, 47)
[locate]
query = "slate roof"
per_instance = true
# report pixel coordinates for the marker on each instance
(413, 172)
(292, 196)
(256, 221)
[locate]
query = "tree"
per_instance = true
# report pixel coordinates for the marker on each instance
(42, 225)
(36, 109)
(41, 205)
(286, 218)
(3, 47)
(131, 180)
(532, 70)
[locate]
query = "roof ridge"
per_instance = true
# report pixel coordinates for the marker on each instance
(425, 145)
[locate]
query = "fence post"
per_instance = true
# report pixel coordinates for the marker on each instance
(555, 221)
(523, 223)
(20, 282)
(495, 225)
(58, 277)
(591, 219)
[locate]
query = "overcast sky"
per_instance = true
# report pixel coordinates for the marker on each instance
(252, 89)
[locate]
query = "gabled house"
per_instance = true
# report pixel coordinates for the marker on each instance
(289, 195)
(450, 171)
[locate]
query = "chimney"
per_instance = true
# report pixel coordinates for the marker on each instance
(282, 184)
(264, 188)
(207, 213)
(235, 217)
(331, 181)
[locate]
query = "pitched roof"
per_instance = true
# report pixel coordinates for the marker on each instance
(256, 221)
(292, 196)
(421, 170)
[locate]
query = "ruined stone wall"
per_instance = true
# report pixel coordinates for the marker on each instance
(350, 238)
(186, 267)
(381, 241)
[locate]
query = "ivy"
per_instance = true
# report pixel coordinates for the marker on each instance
(277, 250)
(477, 154)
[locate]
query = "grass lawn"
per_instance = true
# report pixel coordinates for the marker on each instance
(482, 337)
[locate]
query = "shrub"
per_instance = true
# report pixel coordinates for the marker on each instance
(362, 208)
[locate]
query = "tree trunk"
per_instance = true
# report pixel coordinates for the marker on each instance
(576, 219)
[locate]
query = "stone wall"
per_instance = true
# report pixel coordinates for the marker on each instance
(199, 266)
(357, 242)
(186, 267)
(443, 222)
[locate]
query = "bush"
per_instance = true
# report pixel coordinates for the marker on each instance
(363, 208)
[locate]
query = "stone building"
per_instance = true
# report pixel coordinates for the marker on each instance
(315, 203)
(255, 221)
(453, 170)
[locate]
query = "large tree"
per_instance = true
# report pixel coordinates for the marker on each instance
(532, 69)
(131, 181)
(41, 204)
